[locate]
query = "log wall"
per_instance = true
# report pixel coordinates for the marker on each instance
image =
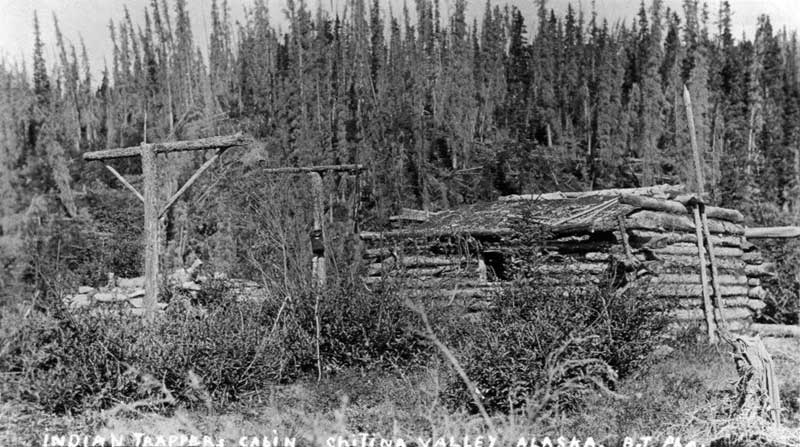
(664, 243)
(654, 247)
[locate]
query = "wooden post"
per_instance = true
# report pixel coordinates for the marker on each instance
(318, 258)
(148, 153)
(698, 166)
(317, 233)
(757, 390)
(150, 175)
(626, 243)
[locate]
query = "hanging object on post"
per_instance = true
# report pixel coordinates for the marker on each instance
(317, 243)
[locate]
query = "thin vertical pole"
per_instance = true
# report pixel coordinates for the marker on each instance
(708, 307)
(718, 304)
(149, 174)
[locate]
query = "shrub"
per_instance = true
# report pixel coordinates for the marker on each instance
(553, 345)
(215, 292)
(360, 328)
(93, 359)
(59, 364)
(64, 253)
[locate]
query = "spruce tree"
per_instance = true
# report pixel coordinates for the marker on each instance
(41, 81)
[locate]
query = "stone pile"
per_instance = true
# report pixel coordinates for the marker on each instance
(128, 293)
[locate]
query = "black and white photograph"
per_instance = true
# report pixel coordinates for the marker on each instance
(399, 223)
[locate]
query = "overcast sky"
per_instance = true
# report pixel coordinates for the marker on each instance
(89, 18)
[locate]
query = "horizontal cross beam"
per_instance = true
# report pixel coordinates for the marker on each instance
(772, 233)
(318, 169)
(222, 142)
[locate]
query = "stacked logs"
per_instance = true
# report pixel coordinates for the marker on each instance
(437, 266)
(664, 242)
(468, 269)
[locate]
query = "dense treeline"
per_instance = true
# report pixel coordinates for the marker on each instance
(442, 110)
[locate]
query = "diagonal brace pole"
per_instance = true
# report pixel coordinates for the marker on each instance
(191, 181)
(125, 182)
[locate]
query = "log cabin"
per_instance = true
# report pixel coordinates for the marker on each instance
(694, 255)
